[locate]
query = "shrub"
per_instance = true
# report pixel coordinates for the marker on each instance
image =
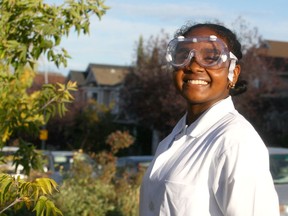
(84, 194)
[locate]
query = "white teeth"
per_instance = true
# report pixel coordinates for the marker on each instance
(197, 82)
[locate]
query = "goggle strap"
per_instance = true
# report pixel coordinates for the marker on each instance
(232, 56)
(231, 70)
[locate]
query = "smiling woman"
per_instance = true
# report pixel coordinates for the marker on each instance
(207, 165)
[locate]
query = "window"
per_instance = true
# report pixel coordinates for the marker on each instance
(95, 95)
(106, 97)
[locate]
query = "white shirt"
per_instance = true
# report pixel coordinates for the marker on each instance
(218, 166)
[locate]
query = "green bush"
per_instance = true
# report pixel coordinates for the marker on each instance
(85, 198)
(85, 194)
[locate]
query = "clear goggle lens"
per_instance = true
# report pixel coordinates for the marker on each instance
(209, 52)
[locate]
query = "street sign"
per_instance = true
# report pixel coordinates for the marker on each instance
(43, 134)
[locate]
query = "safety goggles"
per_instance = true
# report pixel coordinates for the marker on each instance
(209, 52)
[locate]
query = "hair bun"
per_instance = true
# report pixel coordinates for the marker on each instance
(240, 87)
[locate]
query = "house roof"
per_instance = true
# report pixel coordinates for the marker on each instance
(52, 77)
(108, 74)
(40, 79)
(273, 48)
(77, 76)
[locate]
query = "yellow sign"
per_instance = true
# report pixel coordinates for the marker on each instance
(43, 134)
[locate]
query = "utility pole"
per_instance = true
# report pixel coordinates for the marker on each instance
(44, 132)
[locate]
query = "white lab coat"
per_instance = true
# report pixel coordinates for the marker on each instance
(218, 166)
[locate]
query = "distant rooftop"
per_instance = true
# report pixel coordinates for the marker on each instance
(108, 74)
(77, 76)
(100, 73)
(271, 48)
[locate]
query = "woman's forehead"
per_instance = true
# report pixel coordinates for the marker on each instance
(203, 32)
(200, 31)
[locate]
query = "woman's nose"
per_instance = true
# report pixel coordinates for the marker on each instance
(194, 66)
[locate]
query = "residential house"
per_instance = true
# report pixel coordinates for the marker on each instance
(100, 82)
(277, 53)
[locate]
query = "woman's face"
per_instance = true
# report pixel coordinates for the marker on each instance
(201, 86)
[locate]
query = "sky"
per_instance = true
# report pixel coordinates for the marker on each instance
(113, 39)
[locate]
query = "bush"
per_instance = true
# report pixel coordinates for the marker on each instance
(85, 198)
(84, 194)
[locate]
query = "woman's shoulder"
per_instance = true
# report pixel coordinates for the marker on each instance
(234, 121)
(235, 132)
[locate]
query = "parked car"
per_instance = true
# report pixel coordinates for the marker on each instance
(279, 171)
(61, 163)
(6, 165)
(56, 163)
(133, 164)
(63, 160)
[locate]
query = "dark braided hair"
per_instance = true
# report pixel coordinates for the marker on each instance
(232, 43)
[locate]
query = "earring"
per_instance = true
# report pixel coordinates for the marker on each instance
(231, 85)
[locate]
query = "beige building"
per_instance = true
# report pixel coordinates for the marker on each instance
(100, 82)
(277, 53)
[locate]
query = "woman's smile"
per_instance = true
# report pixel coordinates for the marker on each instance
(196, 82)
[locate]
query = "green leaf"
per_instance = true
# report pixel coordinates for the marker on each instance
(46, 207)
(5, 183)
(40, 206)
(46, 185)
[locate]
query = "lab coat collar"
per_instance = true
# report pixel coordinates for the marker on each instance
(206, 120)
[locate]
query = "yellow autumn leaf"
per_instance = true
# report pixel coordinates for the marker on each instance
(23, 115)
(6, 135)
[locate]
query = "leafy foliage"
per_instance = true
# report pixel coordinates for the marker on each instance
(119, 140)
(105, 194)
(85, 197)
(21, 113)
(92, 123)
(14, 191)
(27, 157)
(30, 29)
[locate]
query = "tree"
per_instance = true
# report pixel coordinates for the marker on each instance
(140, 51)
(149, 96)
(29, 29)
(89, 127)
(261, 76)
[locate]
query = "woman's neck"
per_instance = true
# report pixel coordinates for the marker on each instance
(193, 113)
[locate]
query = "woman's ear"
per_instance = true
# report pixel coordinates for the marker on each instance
(233, 76)
(236, 72)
